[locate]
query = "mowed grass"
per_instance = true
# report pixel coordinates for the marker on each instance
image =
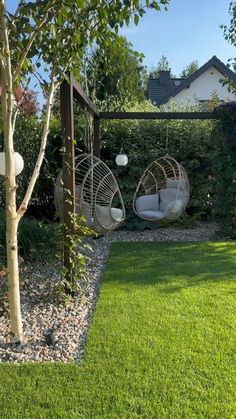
(162, 342)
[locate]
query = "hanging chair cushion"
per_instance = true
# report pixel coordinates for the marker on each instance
(175, 183)
(168, 199)
(147, 203)
(86, 212)
(152, 215)
(106, 216)
(117, 214)
(173, 207)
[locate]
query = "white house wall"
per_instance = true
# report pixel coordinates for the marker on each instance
(203, 87)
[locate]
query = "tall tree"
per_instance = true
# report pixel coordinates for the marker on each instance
(48, 34)
(230, 36)
(162, 65)
(116, 71)
(189, 69)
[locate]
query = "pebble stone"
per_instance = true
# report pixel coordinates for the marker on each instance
(43, 310)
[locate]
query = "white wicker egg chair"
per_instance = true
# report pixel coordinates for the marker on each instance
(163, 191)
(97, 197)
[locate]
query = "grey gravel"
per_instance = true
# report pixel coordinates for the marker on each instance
(42, 309)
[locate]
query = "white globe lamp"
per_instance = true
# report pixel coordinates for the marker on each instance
(19, 164)
(121, 158)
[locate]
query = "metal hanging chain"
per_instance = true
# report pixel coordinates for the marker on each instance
(167, 138)
(90, 142)
(90, 132)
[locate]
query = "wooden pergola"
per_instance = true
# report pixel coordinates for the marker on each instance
(71, 90)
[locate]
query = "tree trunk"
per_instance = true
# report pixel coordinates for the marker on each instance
(13, 277)
(11, 210)
(11, 218)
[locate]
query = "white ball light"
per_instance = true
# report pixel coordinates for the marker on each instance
(121, 160)
(19, 164)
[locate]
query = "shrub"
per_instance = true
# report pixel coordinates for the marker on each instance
(224, 141)
(36, 239)
(27, 143)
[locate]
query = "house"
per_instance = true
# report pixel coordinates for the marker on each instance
(197, 88)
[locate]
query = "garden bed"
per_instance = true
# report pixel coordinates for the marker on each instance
(42, 308)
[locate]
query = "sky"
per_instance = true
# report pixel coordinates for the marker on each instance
(189, 30)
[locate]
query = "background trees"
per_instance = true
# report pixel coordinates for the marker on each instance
(230, 36)
(114, 71)
(162, 65)
(189, 69)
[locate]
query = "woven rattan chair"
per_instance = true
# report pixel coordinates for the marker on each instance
(98, 196)
(163, 191)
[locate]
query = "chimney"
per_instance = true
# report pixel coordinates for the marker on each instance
(164, 77)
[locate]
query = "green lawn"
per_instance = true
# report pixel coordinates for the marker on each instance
(162, 342)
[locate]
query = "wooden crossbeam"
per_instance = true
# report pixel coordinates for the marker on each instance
(158, 115)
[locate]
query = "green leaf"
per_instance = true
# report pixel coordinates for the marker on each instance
(136, 19)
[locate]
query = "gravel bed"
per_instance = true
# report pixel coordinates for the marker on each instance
(42, 309)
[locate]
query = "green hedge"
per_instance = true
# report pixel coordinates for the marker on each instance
(224, 165)
(189, 142)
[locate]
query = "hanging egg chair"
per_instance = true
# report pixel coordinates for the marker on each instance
(163, 191)
(97, 195)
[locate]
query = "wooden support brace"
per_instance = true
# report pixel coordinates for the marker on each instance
(68, 177)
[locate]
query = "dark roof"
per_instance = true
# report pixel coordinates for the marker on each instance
(160, 93)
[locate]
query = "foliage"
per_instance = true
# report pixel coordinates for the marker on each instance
(189, 141)
(75, 245)
(27, 142)
(36, 238)
(114, 71)
(162, 65)
(60, 41)
(230, 36)
(161, 344)
(189, 69)
(225, 163)
(26, 99)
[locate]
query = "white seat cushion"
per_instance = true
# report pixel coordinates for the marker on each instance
(174, 183)
(108, 216)
(152, 215)
(168, 197)
(147, 203)
(117, 214)
(177, 206)
(173, 207)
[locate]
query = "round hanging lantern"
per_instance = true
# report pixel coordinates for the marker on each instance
(19, 164)
(121, 158)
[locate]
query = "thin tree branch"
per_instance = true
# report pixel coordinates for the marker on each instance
(37, 29)
(23, 207)
(16, 14)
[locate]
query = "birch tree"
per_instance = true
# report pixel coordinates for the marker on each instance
(46, 38)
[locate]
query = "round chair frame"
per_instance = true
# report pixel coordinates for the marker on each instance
(96, 191)
(155, 179)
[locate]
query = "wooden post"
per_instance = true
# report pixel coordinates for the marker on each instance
(96, 136)
(68, 177)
